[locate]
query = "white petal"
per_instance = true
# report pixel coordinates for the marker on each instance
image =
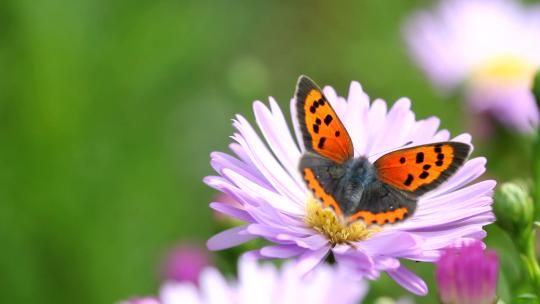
(174, 293)
(278, 201)
(356, 118)
(266, 163)
(214, 287)
(278, 137)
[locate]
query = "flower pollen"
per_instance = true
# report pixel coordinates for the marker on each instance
(336, 230)
(509, 70)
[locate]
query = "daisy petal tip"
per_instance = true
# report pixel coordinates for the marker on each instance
(403, 102)
(252, 255)
(273, 103)
(465, 138)
(259, 106)
(210, 180)
(356, 87)
(491, 184)
(410, 281)
(229, 238)
(212, 245)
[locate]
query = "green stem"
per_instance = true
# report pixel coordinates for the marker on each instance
(536, 178)
(536, 155)
(527, 249)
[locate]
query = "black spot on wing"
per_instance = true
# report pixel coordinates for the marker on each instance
(409, 180)
(328, 119)
(419, 157)
(321, 142)
(454, 162)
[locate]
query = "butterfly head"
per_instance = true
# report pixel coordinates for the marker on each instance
(359, 175)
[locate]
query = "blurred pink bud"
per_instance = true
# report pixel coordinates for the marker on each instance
(184, 263)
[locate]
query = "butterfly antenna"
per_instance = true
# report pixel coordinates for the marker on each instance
(388, 150)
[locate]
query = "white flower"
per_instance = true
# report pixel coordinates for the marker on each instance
(264, 284)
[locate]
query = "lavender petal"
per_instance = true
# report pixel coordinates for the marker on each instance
(409, 281)
(230, 238)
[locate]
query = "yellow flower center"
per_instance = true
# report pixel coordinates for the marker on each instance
(336, 230)
(505, 70)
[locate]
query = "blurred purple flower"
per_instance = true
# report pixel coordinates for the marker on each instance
(467, 275)
(184, 263)
(264, 284)
(490, 47)
(276, 204)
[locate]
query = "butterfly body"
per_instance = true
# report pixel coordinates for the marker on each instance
(354, 185)
(382, 192)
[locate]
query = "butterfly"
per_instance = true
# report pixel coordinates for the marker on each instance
(382, 192)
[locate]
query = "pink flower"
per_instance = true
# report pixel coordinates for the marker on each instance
(467, 275)
(488, 46)
(263, 176)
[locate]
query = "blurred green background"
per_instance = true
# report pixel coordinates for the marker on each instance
(109, 110)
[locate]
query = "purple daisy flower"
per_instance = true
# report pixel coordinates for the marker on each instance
(490, 47)
(263, 284)
(467, 275)
(276, 205)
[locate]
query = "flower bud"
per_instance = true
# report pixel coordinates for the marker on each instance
(513, 207)
(467, 275)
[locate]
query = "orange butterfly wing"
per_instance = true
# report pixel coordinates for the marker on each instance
(321, 128)
(421, 168)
